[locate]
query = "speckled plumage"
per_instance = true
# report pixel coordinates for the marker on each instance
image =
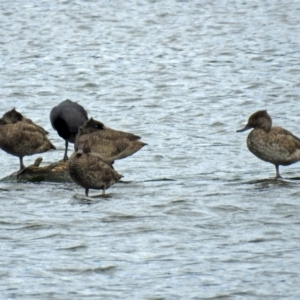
(23, 138)
(271, 144)
(104, 132)
(110, 143)
(91, 171)
(13, 116)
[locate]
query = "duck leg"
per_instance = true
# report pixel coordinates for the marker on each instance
(277, 172)
(21, 163)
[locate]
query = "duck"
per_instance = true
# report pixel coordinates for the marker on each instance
(66, 118)
(13, 116)
(111, 144)
(269, 143)
(22, 137)
(92, 125)
(90, 170)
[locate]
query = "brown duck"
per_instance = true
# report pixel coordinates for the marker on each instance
(20, 136)
(13, 116)
(111, 144)
(271, 143)
(104, 132)
(90, 170)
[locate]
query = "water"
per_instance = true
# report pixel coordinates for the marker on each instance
(197, 215)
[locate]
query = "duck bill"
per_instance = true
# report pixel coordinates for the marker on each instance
(247, 127)
(79, 151)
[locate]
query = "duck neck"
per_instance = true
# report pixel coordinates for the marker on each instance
(266, 126)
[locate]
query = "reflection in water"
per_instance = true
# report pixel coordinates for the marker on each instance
(272, 182)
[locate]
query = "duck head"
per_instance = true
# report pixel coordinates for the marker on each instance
(82, 146)
(91, 125)
(259, 119)
(12, 116)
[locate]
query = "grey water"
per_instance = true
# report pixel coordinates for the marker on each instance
(196, 216)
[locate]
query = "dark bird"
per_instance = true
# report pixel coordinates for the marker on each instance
(22, 137)
(111, 144)
(66, 118)
(90, 170)
(271, 143)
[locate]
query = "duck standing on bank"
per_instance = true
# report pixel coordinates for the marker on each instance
(66, 118)
(271, 143)
(111, 144)
(90, 170)
(20, 136)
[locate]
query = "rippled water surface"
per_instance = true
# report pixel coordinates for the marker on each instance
(197, 216)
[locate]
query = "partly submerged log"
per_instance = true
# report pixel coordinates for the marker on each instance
(55, 172)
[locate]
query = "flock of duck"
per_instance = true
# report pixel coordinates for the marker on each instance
(97, 146)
